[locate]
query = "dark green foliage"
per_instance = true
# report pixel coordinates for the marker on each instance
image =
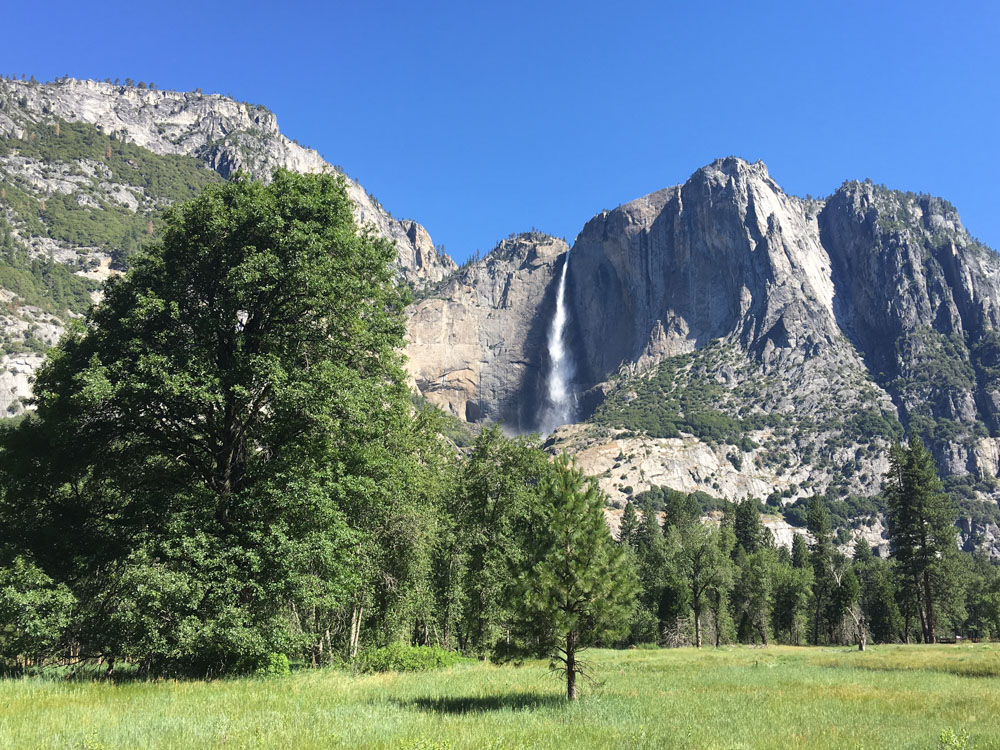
(459, 432)
(629, 527)
(752, 595)
(822, 557)
(50, 286)
(492, 518)
(678, 504)
(399, 658)
(800, 552)
(792, 595)
(877, 595)
(650, 558)
(704, 567)
(34, 612)
(751, 534)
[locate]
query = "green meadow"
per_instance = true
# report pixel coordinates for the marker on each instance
(734, 697)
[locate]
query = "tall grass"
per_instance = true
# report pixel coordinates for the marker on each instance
(889, 697)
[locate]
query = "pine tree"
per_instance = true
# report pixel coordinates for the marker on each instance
(921, 527)
(629, 528)
(800, 552)
(792, 591)
(878, 595)
(579, 589)
(651, 563)
(821, 559)
(750, 533)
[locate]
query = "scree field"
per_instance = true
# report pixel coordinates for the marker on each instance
(889, 697)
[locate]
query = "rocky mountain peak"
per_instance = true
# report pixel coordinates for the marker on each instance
(224, 134)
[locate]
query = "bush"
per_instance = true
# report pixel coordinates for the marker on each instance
(273, 665)
(34, 611)
(399, 658)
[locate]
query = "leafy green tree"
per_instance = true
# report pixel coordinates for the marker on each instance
(847, 603)
(702, 567)
(34, 612)
(921, 528)
(577, 588)
(492, 511)
(792, 595)
(752, 598)
(984, 600)
(218, 426)
(878, 595)
(719, 594)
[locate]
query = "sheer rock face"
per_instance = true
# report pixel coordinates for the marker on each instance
(476, 343)
(872, 302)
(228, 135)
(727, 255)
(921, 300)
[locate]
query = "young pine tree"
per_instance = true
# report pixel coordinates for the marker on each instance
(578, 588)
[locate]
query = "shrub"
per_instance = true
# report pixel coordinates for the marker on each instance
(399, 658)
(273, 665)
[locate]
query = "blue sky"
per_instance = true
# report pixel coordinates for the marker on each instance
(482, 119)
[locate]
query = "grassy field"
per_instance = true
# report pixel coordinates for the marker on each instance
(890, 697)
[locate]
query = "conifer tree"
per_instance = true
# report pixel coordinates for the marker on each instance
(651, 566)
(921, 527)
(800, 552)
(629, 528)
(821, 559)
(579, 589)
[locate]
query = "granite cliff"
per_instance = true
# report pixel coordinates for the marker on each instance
(732, 339)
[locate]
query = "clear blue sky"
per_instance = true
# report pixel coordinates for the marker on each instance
(479, 120)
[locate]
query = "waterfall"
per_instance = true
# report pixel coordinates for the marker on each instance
(559, 401)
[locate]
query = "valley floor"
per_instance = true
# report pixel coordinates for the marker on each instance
(735, 697)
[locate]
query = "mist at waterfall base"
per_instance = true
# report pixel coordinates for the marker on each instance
(560, 401)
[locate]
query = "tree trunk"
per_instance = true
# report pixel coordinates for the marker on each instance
(920, 609)
(697, 628)
(931, 635)
(355, 631)
(571, 691)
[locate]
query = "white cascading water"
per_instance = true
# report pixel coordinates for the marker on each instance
(559, 401)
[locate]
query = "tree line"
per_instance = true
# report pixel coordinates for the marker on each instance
(734, 584)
